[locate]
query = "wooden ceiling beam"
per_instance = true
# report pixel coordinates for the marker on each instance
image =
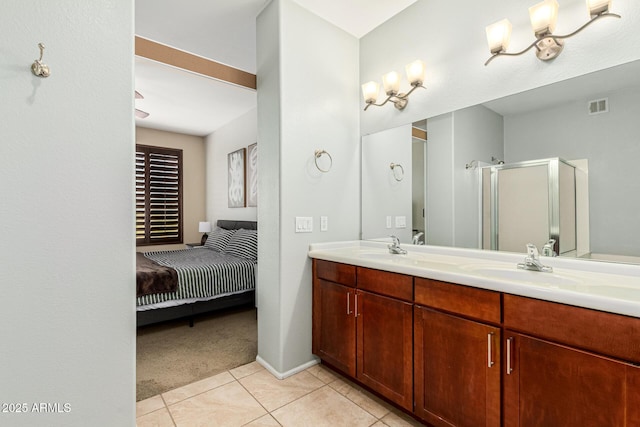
(194, 63)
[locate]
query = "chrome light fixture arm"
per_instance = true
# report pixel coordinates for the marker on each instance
(399, 100)
(592, 20)
(548, 45)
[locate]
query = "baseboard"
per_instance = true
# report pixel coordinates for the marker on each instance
(283, 375)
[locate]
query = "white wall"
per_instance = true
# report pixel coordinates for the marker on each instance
(307, 100)
(479, 135)
(450, 37)
(382, 194)
(239, 133)
(67, 312)
(268, 294)
(453, 191)
(440, 228)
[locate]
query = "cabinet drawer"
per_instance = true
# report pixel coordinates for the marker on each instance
(464, 300)
(609, 334)
(335, 272)
(394, 285)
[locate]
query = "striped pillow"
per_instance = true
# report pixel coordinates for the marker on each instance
(218, 239)
(244, 244)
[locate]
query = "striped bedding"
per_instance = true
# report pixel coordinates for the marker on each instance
(202, 274)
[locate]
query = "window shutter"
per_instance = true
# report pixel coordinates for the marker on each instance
(158, 195)
(141, 196)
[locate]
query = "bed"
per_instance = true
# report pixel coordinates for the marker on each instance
(218, 275)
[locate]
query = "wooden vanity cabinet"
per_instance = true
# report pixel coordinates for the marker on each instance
(334, 322)
(457, 354)
(569, 366)
(467, 357)
(547, 384)
(385, 334)
(366, 332)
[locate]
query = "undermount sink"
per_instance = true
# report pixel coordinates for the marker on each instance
(410, 259)
(377, 255)
(529, 276)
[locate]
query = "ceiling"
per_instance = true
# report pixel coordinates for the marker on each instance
(588, 86)
(223, 31)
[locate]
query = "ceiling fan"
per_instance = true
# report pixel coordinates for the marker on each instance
(139, 113)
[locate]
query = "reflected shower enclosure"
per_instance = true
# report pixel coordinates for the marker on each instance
(534, 202)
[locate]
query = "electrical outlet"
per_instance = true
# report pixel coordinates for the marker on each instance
(401, 222)
(324, 223)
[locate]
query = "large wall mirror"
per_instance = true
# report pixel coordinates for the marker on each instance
(592, 120)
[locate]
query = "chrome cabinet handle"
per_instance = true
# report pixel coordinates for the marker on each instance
(348, 310)
(356, 304)
(490, 361)
(509, 369)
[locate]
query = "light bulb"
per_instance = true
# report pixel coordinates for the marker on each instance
(391, 83)
(415, 72)
(499, 36)
(543, 17)
(596, 7)
(370, 92)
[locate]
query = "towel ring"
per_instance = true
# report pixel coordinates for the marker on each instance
(318, 154)
(397, 176)
(473, 164)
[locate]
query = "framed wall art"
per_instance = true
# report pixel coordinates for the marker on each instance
(236, 182)
(252, 175)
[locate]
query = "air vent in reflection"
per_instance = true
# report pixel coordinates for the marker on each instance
(598, 106)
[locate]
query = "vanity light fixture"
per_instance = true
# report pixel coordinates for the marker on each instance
(543, 21)
(391, 81)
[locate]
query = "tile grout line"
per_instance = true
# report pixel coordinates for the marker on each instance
(296, 399)
(328, 384)
(197, 394)
(168, 411)
(270, 413)
(167, 406)
(259, 403)
(361, 391)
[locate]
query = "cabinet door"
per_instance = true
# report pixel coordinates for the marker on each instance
(457, 370)
(385, 342)
(550, 385)
(334, 325)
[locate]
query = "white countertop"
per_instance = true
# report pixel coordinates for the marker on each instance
(598, 285)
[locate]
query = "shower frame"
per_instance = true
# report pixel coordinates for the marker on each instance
(554, 203)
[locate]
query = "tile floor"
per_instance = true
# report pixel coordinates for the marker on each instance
(250, 396)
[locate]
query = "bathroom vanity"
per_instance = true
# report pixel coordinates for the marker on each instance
(462, 337)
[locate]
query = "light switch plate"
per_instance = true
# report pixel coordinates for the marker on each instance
(388, 221)
(401, 222)
(304, 224)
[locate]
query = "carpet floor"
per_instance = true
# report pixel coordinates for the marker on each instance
(171, 354)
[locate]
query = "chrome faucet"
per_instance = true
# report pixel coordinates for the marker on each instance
(547, 249)
(395, 248)
(532, 260)
(416, 239)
